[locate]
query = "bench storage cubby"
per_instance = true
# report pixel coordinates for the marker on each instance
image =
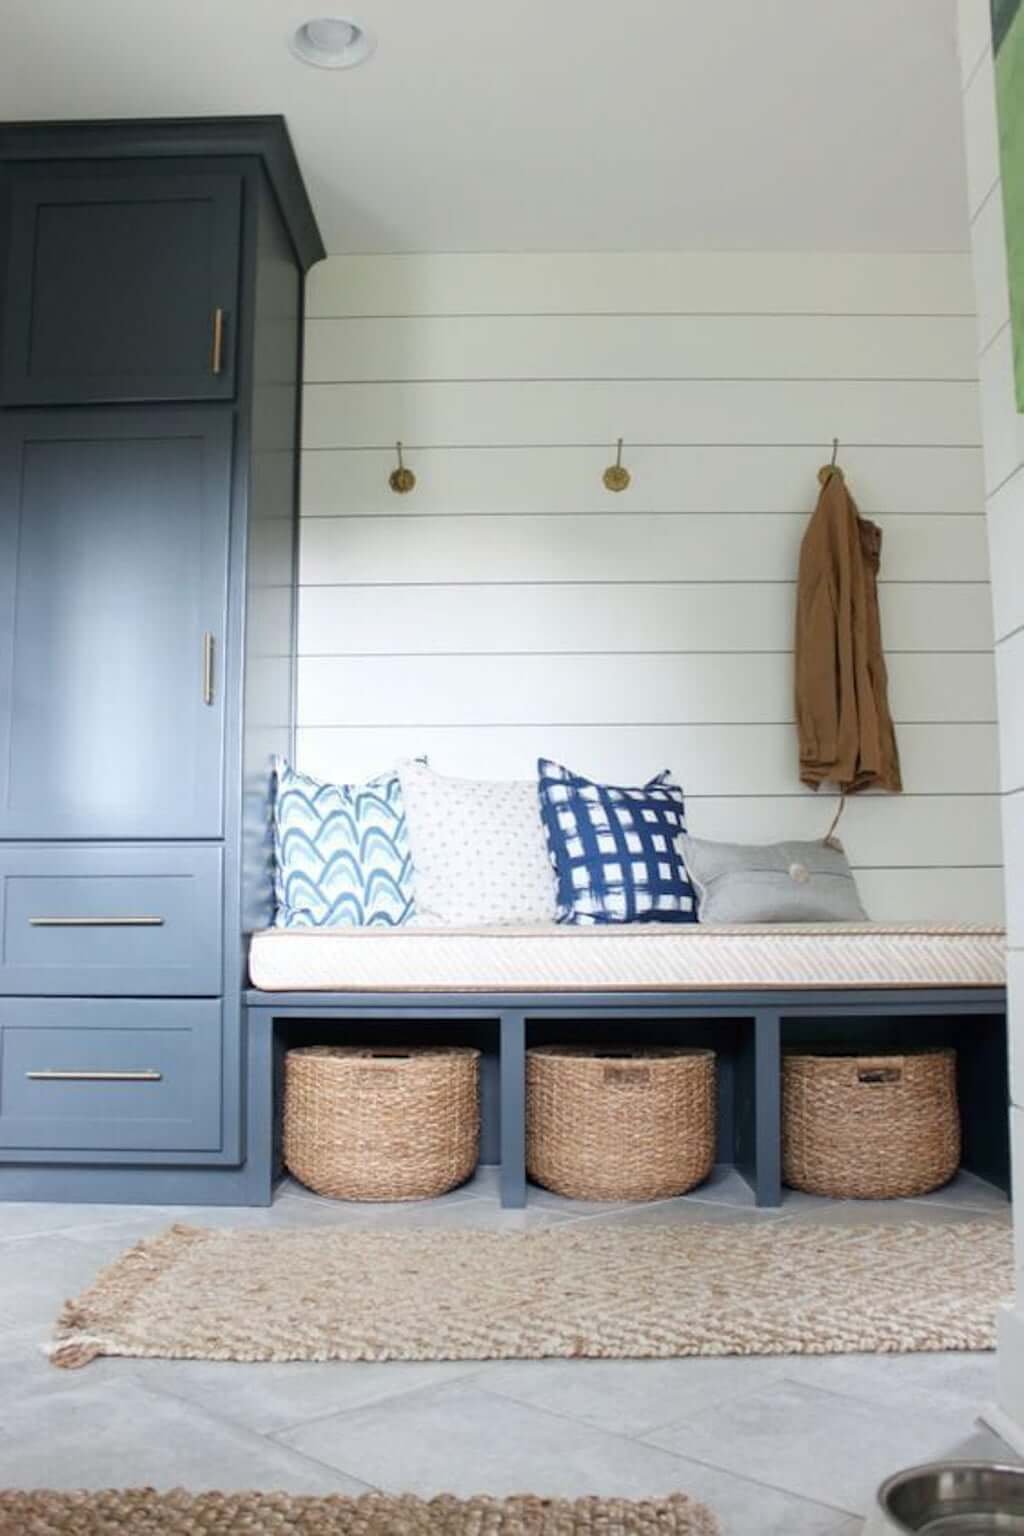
(746, 1030)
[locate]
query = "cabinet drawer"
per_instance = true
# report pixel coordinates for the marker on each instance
(81, 919)
(85, 1075)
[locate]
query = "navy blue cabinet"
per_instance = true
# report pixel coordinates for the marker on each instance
(114, 567)
(121, 286)
(150, 367)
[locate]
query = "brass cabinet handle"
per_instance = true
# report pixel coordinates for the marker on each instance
(208, 668)
(217, 342)
(95, 922)
(51, 1075)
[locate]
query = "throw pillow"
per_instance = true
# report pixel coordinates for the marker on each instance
(478, 849)
(772, 882)
(341, 851)
(615, 851)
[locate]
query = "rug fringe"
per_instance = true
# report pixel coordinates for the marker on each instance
(72, 1354)
(116, 1289)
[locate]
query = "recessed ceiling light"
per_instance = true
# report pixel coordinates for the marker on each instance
(332, 42)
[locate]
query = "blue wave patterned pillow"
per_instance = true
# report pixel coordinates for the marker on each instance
(341, 852)
(615, 852)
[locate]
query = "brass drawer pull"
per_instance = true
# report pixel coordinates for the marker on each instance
(217, 342)
(208, 668)
(51, 1075)
(95, 922)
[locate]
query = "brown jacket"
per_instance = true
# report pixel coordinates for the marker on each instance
(842, 710)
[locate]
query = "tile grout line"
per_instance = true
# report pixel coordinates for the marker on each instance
(754, 1482)
(692, 1460)
(276, 1435)
(474, 1369)
(733, 1397)
(243, 1430)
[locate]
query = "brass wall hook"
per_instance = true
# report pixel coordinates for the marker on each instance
(615, 477)
(401, 480)
(831, 468)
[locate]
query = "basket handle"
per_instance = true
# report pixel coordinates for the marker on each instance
(381, 1067)
(626, 1075)
(873, 1070)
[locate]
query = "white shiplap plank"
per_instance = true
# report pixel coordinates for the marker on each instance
(933, 616)
(572, 617)
(877, 831)
(932, 895)
(661, 411)
(942, 686)
(991, 280)
(629, 547)
(760, 478)
(613, 689)
(641, 347)
(701, 282)
(1015, 998)
(974, 34)
(746, 760)
(981, 134)
(1012, 807)
(1005, 523)
(1004, 424)
(1009, 655)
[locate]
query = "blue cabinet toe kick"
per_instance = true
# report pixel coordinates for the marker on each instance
(749, 1032)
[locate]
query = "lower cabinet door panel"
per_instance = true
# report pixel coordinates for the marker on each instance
(88, 1076)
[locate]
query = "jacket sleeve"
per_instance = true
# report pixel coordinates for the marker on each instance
(822, 624)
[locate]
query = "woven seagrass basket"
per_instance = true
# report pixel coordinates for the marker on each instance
(364, 1124)
(870, 1127)
(619, 1125)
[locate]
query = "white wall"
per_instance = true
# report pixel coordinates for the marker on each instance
(1003, 431)
(511, 606)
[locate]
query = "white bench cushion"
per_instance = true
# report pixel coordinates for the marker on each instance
(636, 957)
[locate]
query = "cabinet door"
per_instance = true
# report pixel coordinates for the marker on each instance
(121, 287)
(113, 578)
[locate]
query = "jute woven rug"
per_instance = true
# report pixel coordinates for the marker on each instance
(768, 1288)
(142, 1512)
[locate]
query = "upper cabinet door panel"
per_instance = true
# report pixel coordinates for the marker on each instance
(113, 578)
(122, 287)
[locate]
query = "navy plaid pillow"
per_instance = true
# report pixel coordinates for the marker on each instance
(615, 851)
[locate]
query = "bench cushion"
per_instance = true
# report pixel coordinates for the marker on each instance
(629, 958)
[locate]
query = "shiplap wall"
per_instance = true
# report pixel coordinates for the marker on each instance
(511, 606)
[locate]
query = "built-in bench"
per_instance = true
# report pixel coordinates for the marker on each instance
(746, 992)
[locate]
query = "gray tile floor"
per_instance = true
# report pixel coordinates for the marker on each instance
(778, 1447)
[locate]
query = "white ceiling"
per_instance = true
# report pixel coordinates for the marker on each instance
(551, 124)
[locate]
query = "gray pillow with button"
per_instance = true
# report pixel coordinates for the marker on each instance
(772, 882)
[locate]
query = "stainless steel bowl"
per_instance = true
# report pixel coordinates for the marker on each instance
(951, 1498)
